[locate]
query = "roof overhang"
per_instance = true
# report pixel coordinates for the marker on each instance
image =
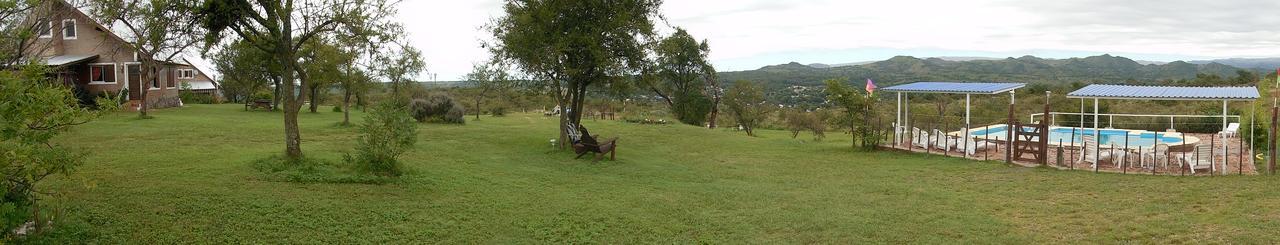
(955, 87)
(1129, 92)
(63, 60)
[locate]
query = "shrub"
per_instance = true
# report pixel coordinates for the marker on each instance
(437, 107)
(498, 111)
(691, 108)
(387, 133)
(337, 108)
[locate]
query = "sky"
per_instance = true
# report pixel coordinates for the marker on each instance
(748, 34)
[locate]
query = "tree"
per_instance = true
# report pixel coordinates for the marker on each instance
(270, 27)
(401, 66)
(325, 63)
(857, 114)
(746, 103)
(685, 74)
(244, 70)
(486, 78)
(17, 30)
(160, 31)
(569, 45)
(33, 110)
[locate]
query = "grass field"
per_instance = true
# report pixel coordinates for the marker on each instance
(185, 177)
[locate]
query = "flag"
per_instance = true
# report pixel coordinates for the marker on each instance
(871, 87)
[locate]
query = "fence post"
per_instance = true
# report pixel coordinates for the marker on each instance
(1271, 141)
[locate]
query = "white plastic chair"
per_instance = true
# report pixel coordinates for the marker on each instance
(1094, 152)
(920, 138)
(1202, 158)
(1157, 154)
(1231, 130)
(943, 141)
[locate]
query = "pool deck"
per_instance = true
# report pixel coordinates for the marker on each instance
(1237, 161)
(1187, 140)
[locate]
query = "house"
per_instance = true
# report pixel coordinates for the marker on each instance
(197, 81)
(93, 60)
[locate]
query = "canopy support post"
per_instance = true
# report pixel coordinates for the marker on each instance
(1224, 137)
(966, 110)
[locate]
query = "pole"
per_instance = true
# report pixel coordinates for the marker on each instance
(966, 109)
(1224, 137)
(1097, 136)
(1271, 141)
(897, 139)
(1008, 152)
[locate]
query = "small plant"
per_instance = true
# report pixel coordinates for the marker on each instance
(388, 131)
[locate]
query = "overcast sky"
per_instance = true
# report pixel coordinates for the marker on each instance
(748, 34)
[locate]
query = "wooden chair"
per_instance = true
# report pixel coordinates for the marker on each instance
(584, 142)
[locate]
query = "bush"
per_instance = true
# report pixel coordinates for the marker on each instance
(387, 133)
(691, 108)
(498, 111)
(437, 107)
(337, 108)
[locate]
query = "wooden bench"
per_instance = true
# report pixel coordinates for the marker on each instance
(258, 104)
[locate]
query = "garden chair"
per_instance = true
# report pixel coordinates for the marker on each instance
(971, 147)
(1158, 154)
(921, 139)
(584, 142)
(1092, 152)
(1231, 130)
(943, 141)
(1202, 158)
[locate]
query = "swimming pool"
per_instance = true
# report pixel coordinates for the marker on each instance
(1072, 136)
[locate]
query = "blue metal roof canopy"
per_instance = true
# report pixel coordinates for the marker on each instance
(1101, 91)
(1129, 92)
(956, 87)
(966, 88)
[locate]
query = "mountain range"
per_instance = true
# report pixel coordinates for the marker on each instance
(1031, 69)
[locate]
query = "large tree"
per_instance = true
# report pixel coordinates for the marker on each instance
(400, 66)
(685, 78)
(279, 28)
(569, 45)
(160, 31)
(245, 70)
(487, 78)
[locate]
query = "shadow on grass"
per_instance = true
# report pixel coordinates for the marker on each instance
(310, 170)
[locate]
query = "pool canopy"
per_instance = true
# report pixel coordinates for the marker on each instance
(965, 88)
(1100, 91)
(955, 87)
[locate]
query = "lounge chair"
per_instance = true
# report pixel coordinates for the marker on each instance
(584, 142)
(1202, 158)
(920, 138)
(1231, 130)
(943, 141)
(971, 147)
(1092, 152)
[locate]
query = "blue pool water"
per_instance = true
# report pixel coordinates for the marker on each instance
(1116, 137)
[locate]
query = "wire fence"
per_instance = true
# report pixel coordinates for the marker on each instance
(1121, 145)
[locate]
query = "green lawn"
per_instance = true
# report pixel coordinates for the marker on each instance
(185, 177)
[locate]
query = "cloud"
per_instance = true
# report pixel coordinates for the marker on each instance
(746, 34)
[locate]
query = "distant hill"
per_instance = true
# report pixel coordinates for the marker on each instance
(1263, 64)
(1031, 69)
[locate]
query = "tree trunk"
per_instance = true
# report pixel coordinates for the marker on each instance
(144, 75)
(346, 107)
(313, 96)
(292, 135)
(478, 106)
(715, 112)
(275, 100)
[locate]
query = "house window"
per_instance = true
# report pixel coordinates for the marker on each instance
(69, 29)
(186, 74)
(102, 73)
(45, 30)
